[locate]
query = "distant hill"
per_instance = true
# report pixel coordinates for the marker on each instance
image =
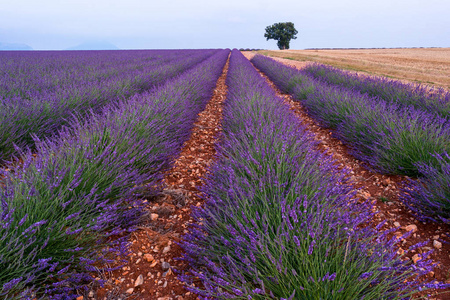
(94, 46)
(14, 46)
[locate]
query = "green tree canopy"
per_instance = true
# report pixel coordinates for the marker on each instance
(282, 32)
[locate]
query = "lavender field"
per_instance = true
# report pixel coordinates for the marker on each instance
(87, 138)
(80, 185)
(41, 92)
(280, 220)
(395, 128)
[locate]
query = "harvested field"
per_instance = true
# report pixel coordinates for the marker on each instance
(421, 65)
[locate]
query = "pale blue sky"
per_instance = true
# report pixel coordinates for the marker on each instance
(163, 24)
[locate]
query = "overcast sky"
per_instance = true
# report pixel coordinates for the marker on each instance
(168, 24)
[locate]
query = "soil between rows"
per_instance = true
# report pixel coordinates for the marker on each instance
(154, 244)
(154, 250)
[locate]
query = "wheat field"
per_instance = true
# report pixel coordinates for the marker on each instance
(421, 65)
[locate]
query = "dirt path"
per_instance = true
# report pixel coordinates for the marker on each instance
(149, 272)
(382, 191)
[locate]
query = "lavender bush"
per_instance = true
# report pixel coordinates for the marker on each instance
(433, 100)
(60, 209)
(395, 139)
(429, 197)
(43, 104)
(280, 221)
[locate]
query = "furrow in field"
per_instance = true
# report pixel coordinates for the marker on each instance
(154, 249)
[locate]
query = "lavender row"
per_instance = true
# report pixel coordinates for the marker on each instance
(280, 220)
(433, 100)
(63, 212)
(42, 114)
(391, 138)
(27, 74)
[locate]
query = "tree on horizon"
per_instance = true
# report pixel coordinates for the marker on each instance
(283, 32)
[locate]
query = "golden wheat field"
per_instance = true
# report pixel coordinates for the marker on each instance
(421, 65)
